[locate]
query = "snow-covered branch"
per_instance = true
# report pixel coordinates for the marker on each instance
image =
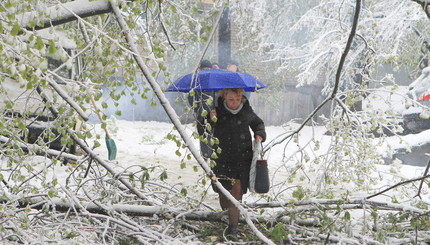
(60, 14)
(333, 204)
(426, 6)
(40, 150)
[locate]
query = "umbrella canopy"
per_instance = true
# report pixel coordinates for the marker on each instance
(213, 80)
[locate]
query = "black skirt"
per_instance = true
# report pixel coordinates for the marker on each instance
(228, 172)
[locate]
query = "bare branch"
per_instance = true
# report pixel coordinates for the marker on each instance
(398, 184)
(422, 181)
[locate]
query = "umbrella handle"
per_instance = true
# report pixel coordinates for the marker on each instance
(99, 115)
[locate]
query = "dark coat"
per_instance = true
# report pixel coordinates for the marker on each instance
(235, 140)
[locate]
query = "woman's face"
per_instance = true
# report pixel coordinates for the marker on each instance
(232, 100)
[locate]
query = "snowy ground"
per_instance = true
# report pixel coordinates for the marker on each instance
(145, 144)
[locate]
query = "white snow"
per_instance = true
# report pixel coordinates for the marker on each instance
(145, 144)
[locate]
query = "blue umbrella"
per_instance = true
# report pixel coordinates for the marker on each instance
(213, 80)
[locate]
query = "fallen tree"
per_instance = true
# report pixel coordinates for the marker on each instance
(107, 184)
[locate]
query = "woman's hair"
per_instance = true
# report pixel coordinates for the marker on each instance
(239, 91)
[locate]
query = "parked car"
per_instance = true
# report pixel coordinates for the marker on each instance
(416, 154)
(416, 118)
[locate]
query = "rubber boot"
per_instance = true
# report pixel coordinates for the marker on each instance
(231, 232)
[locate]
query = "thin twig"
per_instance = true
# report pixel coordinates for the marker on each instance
(163, 27)
(422, 181)
(397, 185)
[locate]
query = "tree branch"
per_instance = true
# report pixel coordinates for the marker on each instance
(91, 153)
(162, 25)
(41, 151)
(426, 6)
(66, 97)
(62, 205)
(422, 181)
(334, 204)
(338, 75)
(59, 14)
(397, 185)
(348, 47)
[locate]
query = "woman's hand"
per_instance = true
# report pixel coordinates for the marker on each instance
(213, 114)
(258, 138)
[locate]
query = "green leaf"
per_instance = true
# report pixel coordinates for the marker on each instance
(29, 86)
(173, 8)
(347, 216)
(21, 125)
(61, 110)
(279, 232)
(163, 176)
(146, 176)
(299, 193)
(51, 193)
(9, 4)
(70, 235)
(39, 43)
(52, 49)
(15, 30)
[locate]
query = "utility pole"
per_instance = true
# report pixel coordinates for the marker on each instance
(224, 42)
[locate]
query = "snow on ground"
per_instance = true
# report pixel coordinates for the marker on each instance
(145, 144)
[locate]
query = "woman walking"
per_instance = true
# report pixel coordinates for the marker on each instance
(231, 121)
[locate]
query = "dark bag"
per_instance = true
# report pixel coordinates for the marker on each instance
(262, 182)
